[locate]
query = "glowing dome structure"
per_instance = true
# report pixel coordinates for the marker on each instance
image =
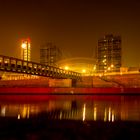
(79, 64)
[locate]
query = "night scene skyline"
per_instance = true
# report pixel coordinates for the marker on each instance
(72, 25)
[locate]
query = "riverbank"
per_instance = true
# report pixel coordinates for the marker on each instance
(68, 91)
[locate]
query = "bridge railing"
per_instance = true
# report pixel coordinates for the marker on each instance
(11, 64)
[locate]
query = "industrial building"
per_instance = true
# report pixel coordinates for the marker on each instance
(50, 54)
(109, 54)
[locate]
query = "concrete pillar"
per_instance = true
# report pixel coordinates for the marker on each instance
(74, 82)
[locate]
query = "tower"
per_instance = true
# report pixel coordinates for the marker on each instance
(50, 54)
(109, 53)
(26, 50)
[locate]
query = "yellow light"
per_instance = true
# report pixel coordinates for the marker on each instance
(105, 115)
(66, 67)
(112, 66)
(83, 70)
(95, 114)
(24, 45)
(109, 114)
(100, 75)
(113, 116)
(108, 68)
(84, 112)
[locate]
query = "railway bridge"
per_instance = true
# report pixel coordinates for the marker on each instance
(11, 64)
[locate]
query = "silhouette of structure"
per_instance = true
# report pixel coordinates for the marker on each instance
(11, 64)
(109, 54)
(50, 54)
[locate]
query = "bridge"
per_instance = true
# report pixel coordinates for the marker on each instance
(11, 64)
(69, 77)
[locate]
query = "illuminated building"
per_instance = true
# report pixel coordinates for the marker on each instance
(50, 54)
(26, 50)
(109, 54)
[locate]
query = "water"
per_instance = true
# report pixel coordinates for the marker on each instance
(69, 117)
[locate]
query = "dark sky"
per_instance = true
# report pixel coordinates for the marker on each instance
(73, 25)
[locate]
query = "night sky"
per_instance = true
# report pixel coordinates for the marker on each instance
(72, 25)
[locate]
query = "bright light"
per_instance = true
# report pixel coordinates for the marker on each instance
(109, 114)
(94, 67)
(100, 75)
(18, 116)
(66, 67)
(95, 114)
(26, 50)
(112, 66)
(108, 68)
(3, 110)
(113, 116)
(24, 45)
(104, 60)
(83, 70)
(84, 112)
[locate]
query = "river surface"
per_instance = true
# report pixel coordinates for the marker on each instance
(69, 117)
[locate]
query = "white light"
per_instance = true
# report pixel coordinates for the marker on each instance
(24, 45)
(18, 116)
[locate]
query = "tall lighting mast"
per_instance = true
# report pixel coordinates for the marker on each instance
(26, 50)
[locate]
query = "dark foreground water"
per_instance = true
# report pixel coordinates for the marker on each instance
(69, 117)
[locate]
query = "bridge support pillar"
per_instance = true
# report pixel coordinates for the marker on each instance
(74, 82)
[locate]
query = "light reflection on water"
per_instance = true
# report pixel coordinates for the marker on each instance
(95, 108)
